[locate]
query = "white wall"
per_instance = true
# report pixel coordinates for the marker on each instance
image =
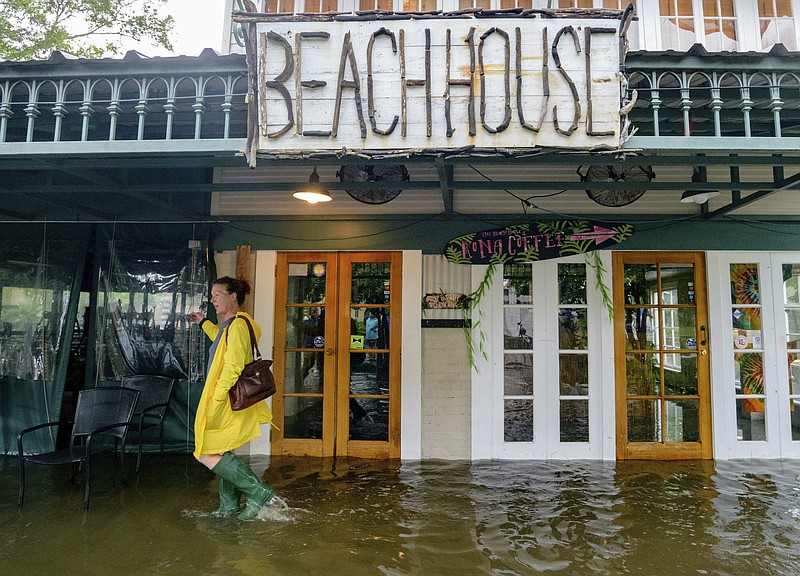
(264, 315)
(411, 358)
(446, 395)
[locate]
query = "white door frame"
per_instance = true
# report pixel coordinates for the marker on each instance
(488, 380)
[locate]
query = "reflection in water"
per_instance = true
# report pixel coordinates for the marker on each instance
(434, 517)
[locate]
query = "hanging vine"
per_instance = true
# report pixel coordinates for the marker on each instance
(470, 303)
(531, 242)
(593, 260)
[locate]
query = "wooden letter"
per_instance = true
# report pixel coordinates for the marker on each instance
(277, 83)
(348, 57)
(507, 105)
(575, 98)
(471, 105)
(262, 81)
(449, 81)
(370, 87)
(300, 83)
(408, 82)
(589, 126)
(545, 82)
(403, 105)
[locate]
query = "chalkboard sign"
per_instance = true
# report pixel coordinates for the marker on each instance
(536, 241)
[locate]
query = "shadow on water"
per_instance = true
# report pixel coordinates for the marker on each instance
(356, 517)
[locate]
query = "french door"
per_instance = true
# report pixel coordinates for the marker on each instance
(661, 356)
(337, 354)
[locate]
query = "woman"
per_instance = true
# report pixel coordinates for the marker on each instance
(217, 429)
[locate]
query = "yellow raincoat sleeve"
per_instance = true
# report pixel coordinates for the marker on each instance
(217, 427)
(209, 328)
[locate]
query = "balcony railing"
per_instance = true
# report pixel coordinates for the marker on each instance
(133, 99)
(726, 101)
(688, 101)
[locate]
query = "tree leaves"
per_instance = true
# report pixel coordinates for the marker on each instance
(32, 29)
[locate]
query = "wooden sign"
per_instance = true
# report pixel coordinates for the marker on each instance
(439, 83)
(443, 301)
(535, 241)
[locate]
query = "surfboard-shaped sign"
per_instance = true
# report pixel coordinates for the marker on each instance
(535, 241)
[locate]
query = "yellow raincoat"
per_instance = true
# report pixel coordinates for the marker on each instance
(217, 428)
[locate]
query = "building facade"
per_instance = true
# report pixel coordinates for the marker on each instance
(619, 282)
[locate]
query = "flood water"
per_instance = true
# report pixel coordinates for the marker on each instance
(357, 517)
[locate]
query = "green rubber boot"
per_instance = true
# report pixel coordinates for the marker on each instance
(228, 498)
(237, 472)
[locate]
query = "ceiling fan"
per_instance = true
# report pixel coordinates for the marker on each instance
(390, 174)
(634, 174)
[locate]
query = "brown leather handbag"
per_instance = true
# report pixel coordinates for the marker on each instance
(256, 382)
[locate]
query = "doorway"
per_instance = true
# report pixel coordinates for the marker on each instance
(337, 354)
(661, 356)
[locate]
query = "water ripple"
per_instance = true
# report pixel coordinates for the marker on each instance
(422, 518)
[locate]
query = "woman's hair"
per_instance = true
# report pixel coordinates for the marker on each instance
(234, 286)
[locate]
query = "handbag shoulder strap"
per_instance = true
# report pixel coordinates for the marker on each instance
(253, 342)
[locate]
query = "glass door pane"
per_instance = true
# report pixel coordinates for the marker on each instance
(518, 353)
(305, 298)
(368, 411)
(747, 352)
(791, 303)
(661, 342)
(573, 357)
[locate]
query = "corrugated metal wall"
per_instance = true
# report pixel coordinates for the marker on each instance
(441, 276)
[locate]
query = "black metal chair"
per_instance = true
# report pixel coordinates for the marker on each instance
(102, 418)
(154, 393)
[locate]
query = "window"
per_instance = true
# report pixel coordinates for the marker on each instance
(419, 5)
(387, 5)
(677, 24)
(671, 330)
(725, 25)
(662, 374)
(573, 353)
(755, 347)
(791, 304)
(719, 25)
(517, 353)
(277, 6)
(540, 4)
(318, 6)
(776, 24)
(467, 4)
(321, 6)
(748, 352)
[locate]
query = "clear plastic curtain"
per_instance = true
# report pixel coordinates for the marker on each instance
(146, 289)
(37, 283)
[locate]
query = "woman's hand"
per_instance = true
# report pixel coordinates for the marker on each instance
(196, 316)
